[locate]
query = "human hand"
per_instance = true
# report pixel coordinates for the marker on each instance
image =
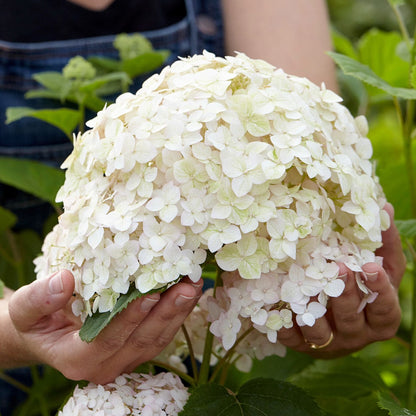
(41, 313)
(344, 327)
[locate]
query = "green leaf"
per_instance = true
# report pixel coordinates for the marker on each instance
(64, 119)
(105, 64)
(1, 289)
(7, 219)
(378, 50)
(275, 367)
(348, 377)
(396, 3)
(386, 402)
(44, 93)
(95, 323)
(407, 228)
(33, 177)
(413, 76)
(340, 406)
(343, 45)
(16, 265)
(258, 397)
(365, 74)
(54, 81)
(144, 63)
(98, 82)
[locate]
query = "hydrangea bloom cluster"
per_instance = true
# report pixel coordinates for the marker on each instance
(227, 326)
(229, 156)
(130, 394)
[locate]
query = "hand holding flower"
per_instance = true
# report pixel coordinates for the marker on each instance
(352, 327)
(47, 330)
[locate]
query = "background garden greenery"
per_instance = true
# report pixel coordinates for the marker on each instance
(374, 42)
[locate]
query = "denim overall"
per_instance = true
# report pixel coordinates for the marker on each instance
(33, 139)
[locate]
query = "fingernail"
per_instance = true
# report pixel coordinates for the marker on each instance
(183, 300)
(147, 304)
(56, 286)
(372, 277)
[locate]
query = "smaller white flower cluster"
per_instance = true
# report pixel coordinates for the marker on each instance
(130, 394)
(227, 325)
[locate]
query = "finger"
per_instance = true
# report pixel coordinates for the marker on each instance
(384, 314)
(30, 304)
(347, 320)
(394, 260)
(115, 335)
(161, 325)
(291, 337)
(318, 334)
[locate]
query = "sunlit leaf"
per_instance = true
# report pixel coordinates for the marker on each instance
(365, 74)
(343, 45)
(378, 50)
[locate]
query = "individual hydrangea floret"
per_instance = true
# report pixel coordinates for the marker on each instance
(224, 158)
(130, 394)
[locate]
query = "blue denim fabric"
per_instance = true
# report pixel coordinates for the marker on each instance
(32, 139)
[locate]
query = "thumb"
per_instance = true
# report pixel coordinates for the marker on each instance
(29, 304)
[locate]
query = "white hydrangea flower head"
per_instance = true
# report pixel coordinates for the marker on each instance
(267, 171)
(130, 394)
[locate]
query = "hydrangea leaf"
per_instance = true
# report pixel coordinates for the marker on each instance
(348, 377)
(98, 82)
(64, 119)
(258, 397)
(364, 73)
(145, 62)
(95, 323)
(33, 177)
(386, 402)
(7, 219)
(377, 49)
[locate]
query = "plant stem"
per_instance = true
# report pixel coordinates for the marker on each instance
(228, 354)
(13, 382)
(402, 26)
(411, 382)
(209, 340)
(81, 117)
(174, 370)
(39, 396)
(191, 353)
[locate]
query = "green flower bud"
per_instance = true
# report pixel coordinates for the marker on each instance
(78, 68)
(130, 46)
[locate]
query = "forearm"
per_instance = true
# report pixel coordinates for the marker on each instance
(13, 351)
(290, 34)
